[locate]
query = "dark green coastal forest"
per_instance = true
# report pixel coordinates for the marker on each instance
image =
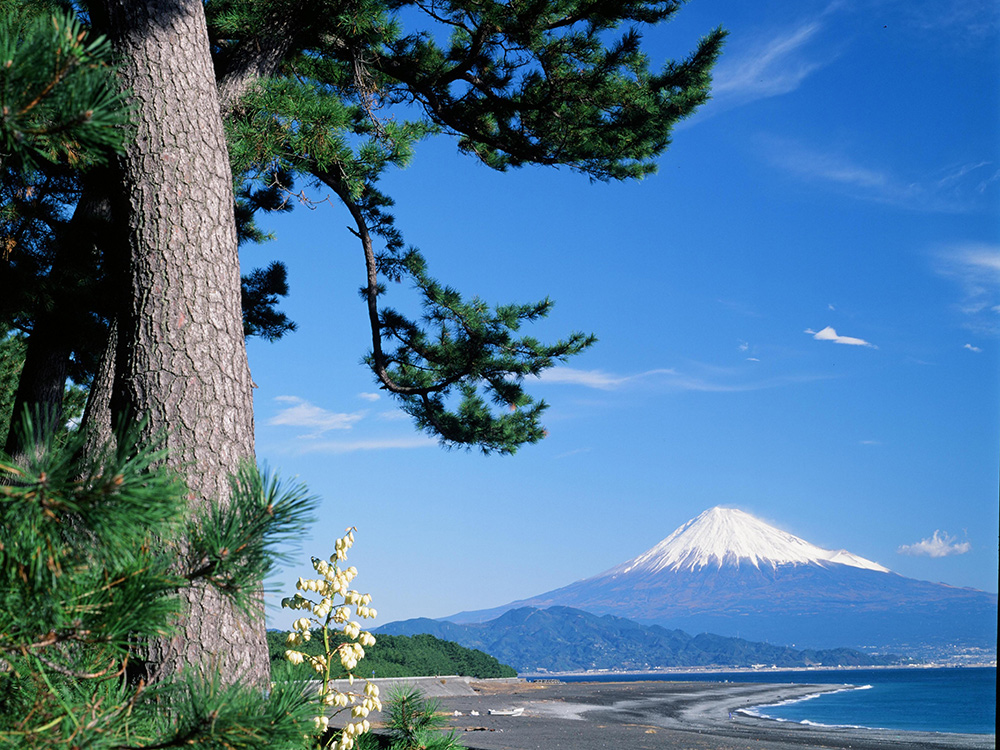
(405, 656)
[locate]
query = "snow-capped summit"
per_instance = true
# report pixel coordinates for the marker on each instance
(727, 536)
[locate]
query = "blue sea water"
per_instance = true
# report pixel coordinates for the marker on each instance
(959, 699)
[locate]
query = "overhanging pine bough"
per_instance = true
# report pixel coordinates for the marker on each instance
(516, 83)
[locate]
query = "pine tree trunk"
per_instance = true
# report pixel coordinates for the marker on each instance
(42, 382)
(97, 420)
(181, 356)
(60, 323)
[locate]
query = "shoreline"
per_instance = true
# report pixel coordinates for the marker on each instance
(662, 715)
(597, 674)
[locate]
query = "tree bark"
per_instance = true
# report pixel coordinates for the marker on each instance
(97, 415)
(181, 355)
(259, 57)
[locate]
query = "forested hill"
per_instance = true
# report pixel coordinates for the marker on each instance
(565, 639)
(406, 656)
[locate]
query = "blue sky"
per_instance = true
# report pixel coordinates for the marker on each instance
(798, 316)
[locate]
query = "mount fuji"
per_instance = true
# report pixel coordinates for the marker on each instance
(729, 573)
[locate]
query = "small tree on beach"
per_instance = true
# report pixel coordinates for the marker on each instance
(415, 722)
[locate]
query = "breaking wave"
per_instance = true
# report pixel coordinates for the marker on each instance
(758, 712)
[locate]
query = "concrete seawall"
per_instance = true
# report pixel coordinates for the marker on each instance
(442, 686)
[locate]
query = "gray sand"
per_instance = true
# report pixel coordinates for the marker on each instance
(659, 716)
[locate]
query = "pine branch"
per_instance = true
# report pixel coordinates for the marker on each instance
(58, 101)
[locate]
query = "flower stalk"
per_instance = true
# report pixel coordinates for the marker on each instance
(329, 616)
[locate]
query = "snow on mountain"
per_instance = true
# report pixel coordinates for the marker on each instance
(727, 536)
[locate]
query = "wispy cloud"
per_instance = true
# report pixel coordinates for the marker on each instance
(392, 415)
(596, 378)
(739, 308)
(374, 444)
(575, 452)
(369, 396)
(829, 334)
(744, 346)
(955, 189)
(301, 413)
(972, 348)
(964, 21)
(711, 379)
(767, 67)
(938, 545)
(975, 267)
(955, 174)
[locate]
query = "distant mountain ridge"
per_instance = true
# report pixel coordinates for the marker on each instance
(561, 639)
(729, 573)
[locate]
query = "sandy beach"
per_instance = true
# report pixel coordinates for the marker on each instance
(658, 716)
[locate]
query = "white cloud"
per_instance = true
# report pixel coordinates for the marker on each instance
(713, 380)
(369, 396)
(985, 258)
(739, 308)
(956, 192)
(374, 444)
(957, 173)
(967, 21)
(392, 415)
(770, 67)
(972, 348)
(576, 452)
(301, 413)
(829, 334)
(975, 267)
(938, 545)
(988, 181)
(594, 378)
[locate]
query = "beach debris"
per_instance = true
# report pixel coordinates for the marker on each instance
(473, 713)
(457, 713)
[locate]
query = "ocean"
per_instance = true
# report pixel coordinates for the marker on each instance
(940, 699)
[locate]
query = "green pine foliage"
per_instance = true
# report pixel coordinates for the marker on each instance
(61, 114)
(361, 83)
(337, 94)
(11, 362)
(260, 290)
(406, 656)
(58, 101)
(93, 555)
(414, 722)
